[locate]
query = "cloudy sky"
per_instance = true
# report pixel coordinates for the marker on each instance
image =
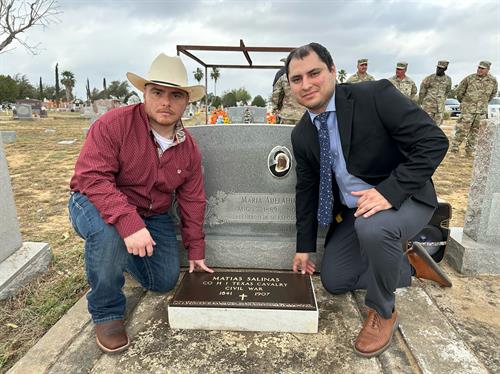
(99, 38)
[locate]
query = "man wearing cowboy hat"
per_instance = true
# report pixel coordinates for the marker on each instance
(133, 161)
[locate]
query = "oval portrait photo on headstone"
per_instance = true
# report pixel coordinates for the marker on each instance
(279, 161)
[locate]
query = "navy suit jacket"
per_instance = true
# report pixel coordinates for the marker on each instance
(387, 140)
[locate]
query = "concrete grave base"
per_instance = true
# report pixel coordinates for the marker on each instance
(25, 263)
(471, 257)
(235, 319)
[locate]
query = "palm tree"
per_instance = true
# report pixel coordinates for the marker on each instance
(198, 75)
(215, 74)
(68, 82)
(342, 75)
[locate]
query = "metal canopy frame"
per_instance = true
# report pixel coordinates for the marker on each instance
(185, 49)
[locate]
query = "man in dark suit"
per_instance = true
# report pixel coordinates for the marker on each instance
(365, 155)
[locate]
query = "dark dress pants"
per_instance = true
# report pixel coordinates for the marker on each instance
(367, 253)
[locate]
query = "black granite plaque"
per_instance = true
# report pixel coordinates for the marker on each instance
(246, 289)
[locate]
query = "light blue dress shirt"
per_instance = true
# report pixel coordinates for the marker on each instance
(347, 183)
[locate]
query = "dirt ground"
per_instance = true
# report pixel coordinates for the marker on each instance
(40, 171)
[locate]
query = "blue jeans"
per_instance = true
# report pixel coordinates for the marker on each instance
(106, 259)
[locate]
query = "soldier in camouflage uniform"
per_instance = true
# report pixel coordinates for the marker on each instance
(434, 90)
(285, 107)
(404, 84)
(361, 75)
(474, 92)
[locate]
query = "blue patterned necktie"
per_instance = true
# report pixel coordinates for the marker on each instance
(325, 182)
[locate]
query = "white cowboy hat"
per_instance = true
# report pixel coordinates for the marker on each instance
(169, 72)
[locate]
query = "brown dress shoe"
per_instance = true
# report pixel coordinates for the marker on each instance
(111, 336)
(376, 334)
(425, 267)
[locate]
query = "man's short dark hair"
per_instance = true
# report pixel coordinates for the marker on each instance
(305, 50)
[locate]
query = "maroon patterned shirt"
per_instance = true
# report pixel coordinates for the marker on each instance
(124, 174)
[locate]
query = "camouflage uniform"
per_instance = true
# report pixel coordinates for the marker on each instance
(356, 78)
(406, 86)
(434, 90)
(474, 92)
(285, 106)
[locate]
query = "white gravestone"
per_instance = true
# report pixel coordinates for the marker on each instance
(18, 261)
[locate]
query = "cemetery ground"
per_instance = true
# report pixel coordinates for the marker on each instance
(40, 170)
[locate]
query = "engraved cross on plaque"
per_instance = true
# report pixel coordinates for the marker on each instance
(243, 296)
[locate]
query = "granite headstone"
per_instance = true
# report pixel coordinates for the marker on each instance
(23, 112)
(245, 301)
(476, 248)
(237, 114)
(250, 180)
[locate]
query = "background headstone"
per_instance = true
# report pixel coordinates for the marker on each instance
(476, 248)
(87, 112)
(250, 215)
(18, 261)
(236, 114)
(9, 227)
(36, 105)
(23, 112)
(8, 136)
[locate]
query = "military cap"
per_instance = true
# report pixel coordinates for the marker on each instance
(443, 64)
(283, 59)
(401, 65)
(362, 61)
(485, 64)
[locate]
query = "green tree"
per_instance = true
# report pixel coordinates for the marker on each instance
(242, 95)
(87, 91)
(453, 93)
(68, 81)
(50, 92)
(259, 101)
(198, 75)
(40, 90)
(118, 90)
(95, 94)
(24, 88)
(215, 75)
(216, 102)
(57, 95)
(228, 99)
(8, 89)
(342, 75)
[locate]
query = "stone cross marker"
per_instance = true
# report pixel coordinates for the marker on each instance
(476, 249)
(18, 261)
(250, 180)
(245, 301)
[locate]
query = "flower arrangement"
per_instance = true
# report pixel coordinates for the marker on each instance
(271, 118)
(218, 116)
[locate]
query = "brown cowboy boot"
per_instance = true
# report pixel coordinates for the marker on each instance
(425, 267)
(376, 334)
(111, 336)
